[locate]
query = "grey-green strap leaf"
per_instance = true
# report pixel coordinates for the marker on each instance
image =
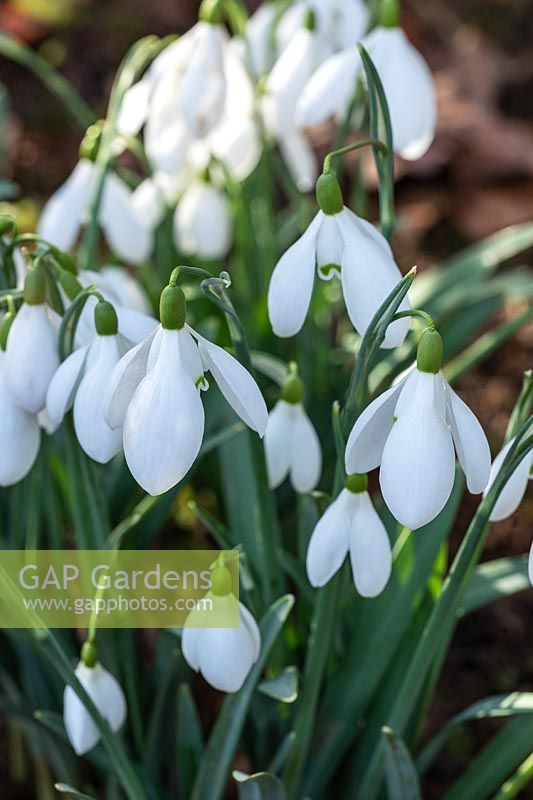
(64, 788)
(492, 580)
(189, 741)
(400, 773)
(261, 786)
(284, 687)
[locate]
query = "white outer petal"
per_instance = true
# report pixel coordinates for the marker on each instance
(62, 215)
(369, 274)
(330, 89)
(369, 434)
(370, 550)
(299, 159)
(31, 357)
(19, 434)
(135, 325)
(306, 454)
(125, 287)
(124, 380)
(108, 697)
(63, 386)
(291, 283)
(259, 31)
(203, 84)
(237, 143)
(126, 232)
(515, 488)
(164, 423)
(328, 546)
(418, 462)
(203, 224)
(96, 438)
(236, 384)
(166, 138)
(134, 108)
(470, 442)
(148, 203)
(277, 443)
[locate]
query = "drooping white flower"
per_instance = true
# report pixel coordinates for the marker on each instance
(203, 84)
(80, 383)
(32, 354)
(337, 242)
(124, 219)
(514, 490)
(406, 80)
(19, 434)
(224, 656)
(292, 447)
(154, 394)
(203, 223)
(412, 432)
(339, 23)
(351, 526)
(108, 697)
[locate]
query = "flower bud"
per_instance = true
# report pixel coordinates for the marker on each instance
(4, 329)
(172, 308)
(293, 388)
(329, 194)
(429, 352)
(35, 287)
(89, 654)
(357, 483)
(220, 581)
(105, 319)
(7, 225)
(389, 13)
(91, 141)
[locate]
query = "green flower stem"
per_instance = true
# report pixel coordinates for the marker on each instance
(416, 313)
(61, 89)
(375, 143)
(445, 609)
(134, 63)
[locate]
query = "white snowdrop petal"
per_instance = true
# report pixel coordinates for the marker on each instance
(306, 454)
(277, 443)
(19, 434)
(530, 565)
(418, 462)
(470, 442)
(191, 358)
(370, 550)
(134, 108)
(286, 81)
(350, 22)
(164, 423)
(330, 89)
(63, 386)
(329, 247)
(124, 380)
(369, 434)
(236, 384)
(81, 730)
(369, 275)
(249, 624)
(125, 288)
(62, 215)
(513, 492)
(299, 158)
(148, 203)
(31, 357)
(203, 84)
(226, 655)
(291, 283)
(328, 546)
(166, 138)
(203, 223)
(135, 325)
(189, 646)
(259, 30)
(126, 232)
(237, 143)
(96, 438)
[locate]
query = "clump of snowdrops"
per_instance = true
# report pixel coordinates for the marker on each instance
(163, 333)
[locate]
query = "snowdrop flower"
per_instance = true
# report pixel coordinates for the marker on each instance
(514, 490)
(106, 694)
(410, 431)
(224, 656)
(203, 84)
(32, 347)
(203, 223)
(337, 242)
(282, 88)
(154, 394)
(127, 217)
(81, 381)
(292, 446)
(338, 22)
(406, 80)
(351, 525)
(19, 430)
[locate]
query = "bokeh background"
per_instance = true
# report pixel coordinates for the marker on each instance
(476, 179)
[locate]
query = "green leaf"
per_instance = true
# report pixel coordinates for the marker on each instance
(501, 705)
(189, 741)
(218, 756)
(274, 368)
(261, 786)
(64, 788)
(492, 580)
(512, 787)
(284, 687)
(505, 753)
(400, 773)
